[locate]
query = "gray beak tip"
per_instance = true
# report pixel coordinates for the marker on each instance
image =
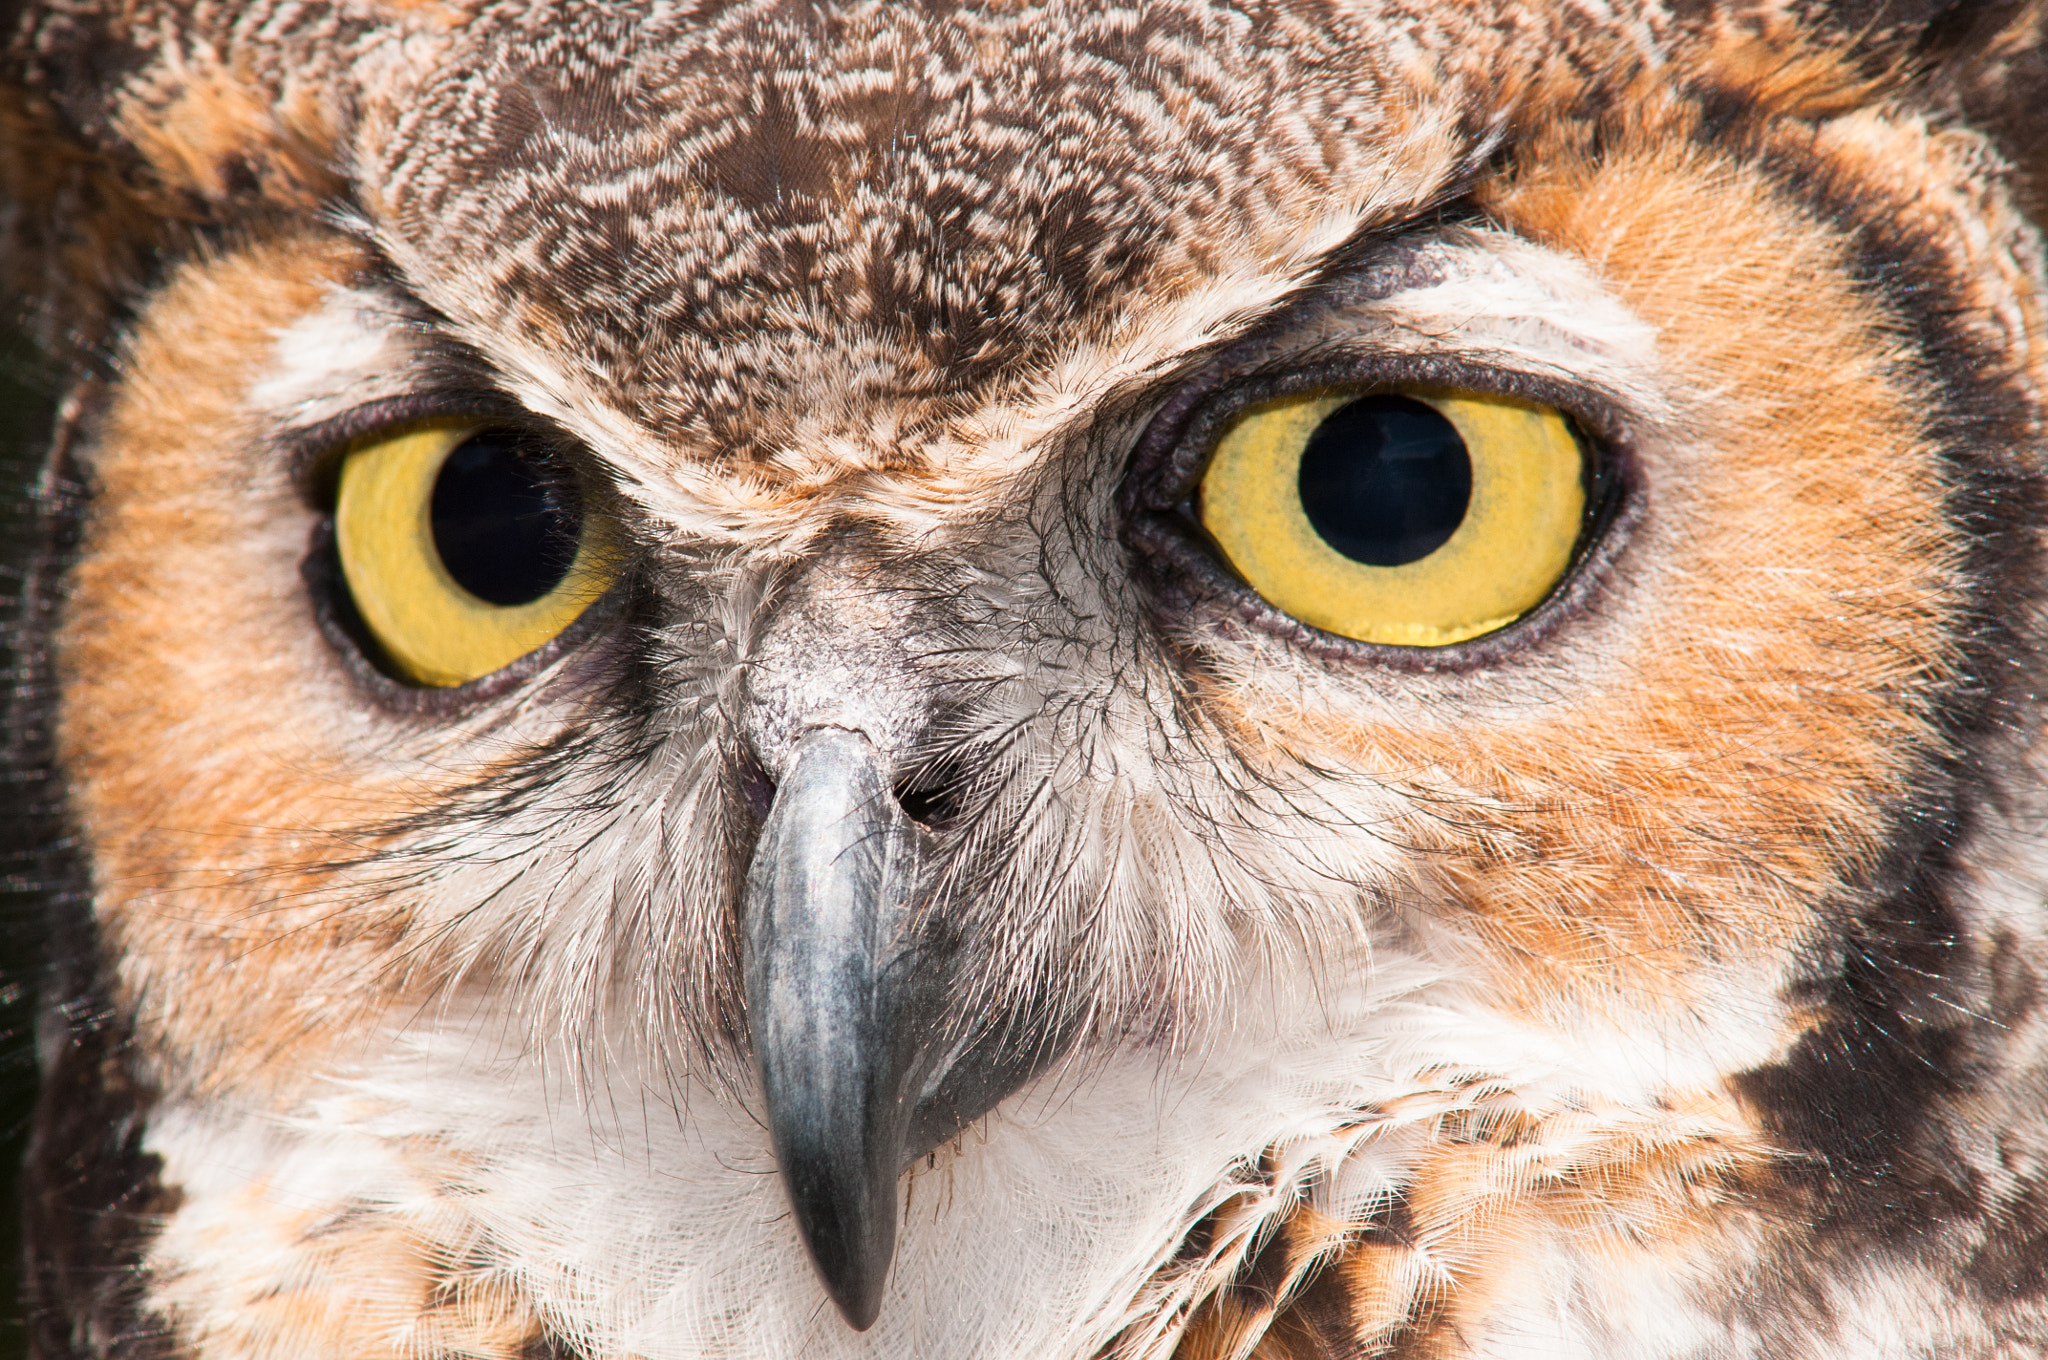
(851, 1238)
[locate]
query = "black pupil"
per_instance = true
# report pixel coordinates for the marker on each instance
(1385, 480)
(505, 527)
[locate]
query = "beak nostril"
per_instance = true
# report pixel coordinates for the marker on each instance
(926, 806)
(930, 794)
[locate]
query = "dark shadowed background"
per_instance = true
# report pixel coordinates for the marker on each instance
(26, 385)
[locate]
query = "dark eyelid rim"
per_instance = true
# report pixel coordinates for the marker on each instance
(1173, 451)
(313, 453)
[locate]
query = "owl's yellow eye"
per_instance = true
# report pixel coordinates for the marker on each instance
(462, 552)
(1419, 517)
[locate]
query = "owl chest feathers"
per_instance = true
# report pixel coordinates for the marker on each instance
(1096, 1211)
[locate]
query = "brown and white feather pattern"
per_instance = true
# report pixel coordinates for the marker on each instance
(1665, 984)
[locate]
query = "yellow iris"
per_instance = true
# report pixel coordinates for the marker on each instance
(1344, 509)
(434, 630)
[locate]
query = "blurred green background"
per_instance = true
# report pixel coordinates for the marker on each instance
(27, 385)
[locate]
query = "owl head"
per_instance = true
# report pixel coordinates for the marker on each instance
(1286, 680)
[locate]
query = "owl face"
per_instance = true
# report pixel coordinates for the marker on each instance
(867, 681)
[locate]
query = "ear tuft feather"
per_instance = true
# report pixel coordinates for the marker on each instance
(125, 127)
(1988, 59)
(1979, 62)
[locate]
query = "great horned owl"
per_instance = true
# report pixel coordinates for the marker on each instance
(1207, 680)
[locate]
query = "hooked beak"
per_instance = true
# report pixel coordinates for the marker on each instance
(859, 1074)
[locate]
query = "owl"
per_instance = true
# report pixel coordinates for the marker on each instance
(1207, 680)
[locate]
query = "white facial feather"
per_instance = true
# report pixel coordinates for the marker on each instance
(356, 349)
(641, 1210)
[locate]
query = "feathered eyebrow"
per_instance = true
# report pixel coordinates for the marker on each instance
(440, 376)
(1365, 252)
(1382, 257)
(1377, 265)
